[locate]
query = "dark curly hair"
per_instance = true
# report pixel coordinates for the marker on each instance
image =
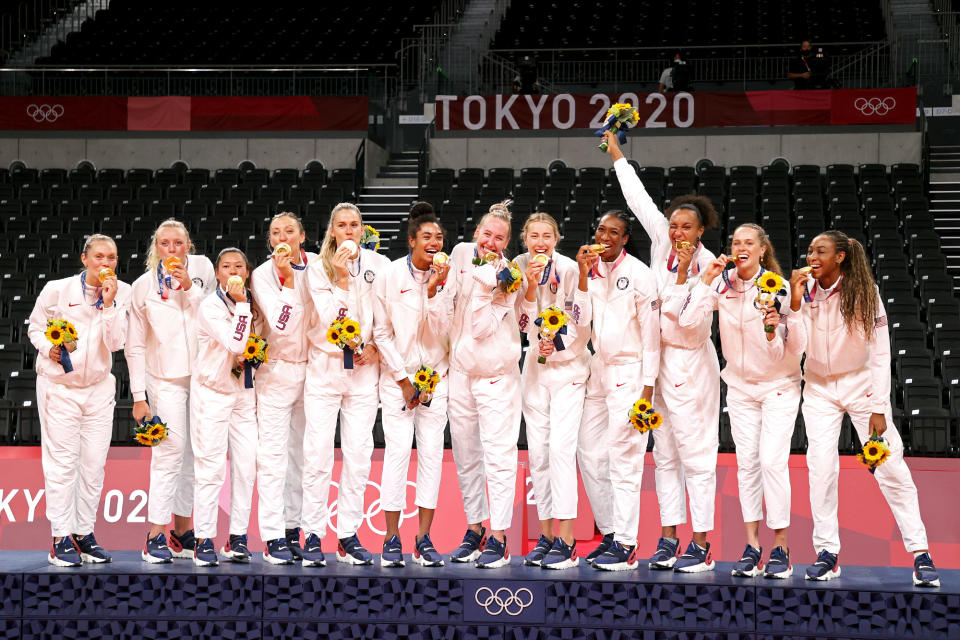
(700, 205)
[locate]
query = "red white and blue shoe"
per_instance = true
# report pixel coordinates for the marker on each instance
(472, 546)
(350, 551)
(293, 543)
(65, 553)
(561, 555)
(617, 558)
(425, 554)
(665, 556)
(750, 564)
(695, 560)
(778, 566)
(182, 546)
(204, 553)
(392, 555)
(601, 548)
(236, 549)
(826, 567)
(924, 573)
(90, 551)
(539, 552)
(277, 552)
(495, 555)
(156, 551)
(312, 553)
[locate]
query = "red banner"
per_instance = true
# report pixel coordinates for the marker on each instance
(177, 113)
(679, 110)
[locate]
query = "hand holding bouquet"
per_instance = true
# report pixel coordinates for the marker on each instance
(254, 354)
(61, 333)
(552, 323)
(150, 432)
(618, 118)
(874, 453)
(425, 382)
(642, 416)
(510, 277)
(345, 334)
(769, 286)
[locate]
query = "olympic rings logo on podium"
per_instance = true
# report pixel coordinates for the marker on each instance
(372, 510)
(875, 106)
(503, 600)
(47, 112)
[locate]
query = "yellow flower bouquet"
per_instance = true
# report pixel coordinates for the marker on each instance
(150, 432)
(769, 286)
(345, 334)
(642, 417)
(618, 118)
(425, 382)
(254, 354)
(370, 238)
(552, 322)
(60, 333)
(510, 277)
(874, 453)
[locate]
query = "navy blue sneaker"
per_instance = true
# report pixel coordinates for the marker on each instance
(536, 555)
(156, 551)
(471, 547)
(601, 548)
(236, 549)
(924, 573)
(826, 567)
(750, 564)
(65, 553)
(204, 553)
(561, 555)
(617, 558)
(666, 554)
(350, 550)
(392, 555)
(90, 551)
(312, 553)
(778, 566)
(495, 555)
(182, 546)
(277, 552)
(293, 543)
(425, 554)
(695, 560)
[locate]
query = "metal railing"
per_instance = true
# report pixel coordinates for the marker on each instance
(34, 18)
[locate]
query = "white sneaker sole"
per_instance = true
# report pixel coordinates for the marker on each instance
(203, 563)
(532, 563)
(313, 563)
(697, 568)
(782, 575)
(470, 558)
(752, 573)
(57, 562)
(153, 559)
(274, 560)
(392, 563)
(425, 563)
(829, 575)
(496, 564)
(186, 554)
(349, 559)
(86, 557)
(663, 565)
(230, 556)
(616, 566)
(569, 563)
(924, 583)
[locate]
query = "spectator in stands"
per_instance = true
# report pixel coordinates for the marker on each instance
(412, 330)
(847, 370)
(526, 79)
(676, 77)
(809, 70)
(280, 286)
(161, 348)
(341, 285)
(76, 407)
(685, 446)
(223, 413)
(484, 401)
(553, 391)
(762, 373)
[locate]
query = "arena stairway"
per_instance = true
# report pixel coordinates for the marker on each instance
(385, 200)
(945, 204)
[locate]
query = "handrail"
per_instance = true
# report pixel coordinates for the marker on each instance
(423, 157)
(359, 173)
(685, 47)
(209, 67)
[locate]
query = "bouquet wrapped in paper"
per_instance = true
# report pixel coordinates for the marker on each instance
(150, 432)
(60, 333)
(642, 416)
(345, 334)
(619, 117)
(552, 323)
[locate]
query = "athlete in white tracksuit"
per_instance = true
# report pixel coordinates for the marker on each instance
(847, 370)
(763, 389)
(160, 350)
(553, 391)
(279, 286)
(618, 294)
(688, 386)
(411, 329)
(484, 402)
(223, 413)
(76, 408)
(332, 389)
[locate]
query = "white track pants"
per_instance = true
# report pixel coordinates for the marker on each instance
(399, 428)
(762, 417)
(280, 417)
(485, 427)
(76, 425)
(685, 445)
(331, 390)
(222, 423)
(293, 485)
(171, 461)
(553, 396)
(824, 403)
(611, 451)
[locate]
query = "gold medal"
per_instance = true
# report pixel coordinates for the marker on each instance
(541, 258)
(440, 258)
(105, 273)
(234, 281)
(597, 248)
(282, 249)
(171, 262)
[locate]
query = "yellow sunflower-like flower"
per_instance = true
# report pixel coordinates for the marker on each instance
(873, 451)
(421, 378)
(55, 334)
(654, 420)
(553, 318)
(770, 282)
(251, 350)
(71, 330)
(432, 385)
(333, 335)
(638, 423)
(642, 406)
(144, 439)
(351, 328)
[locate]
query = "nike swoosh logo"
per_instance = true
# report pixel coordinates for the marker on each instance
(679, 385)
(869, 394)
(576, 383)
(621, 384)
(496, 381)
(462, 271)
(74, 304)
(730, 297)
(779, 394)
(405, 290)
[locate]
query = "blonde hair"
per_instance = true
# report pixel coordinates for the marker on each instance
(769, 258)
(94, 238)
(545, 218)
(329, 246)
(499, 211)
(153, 256)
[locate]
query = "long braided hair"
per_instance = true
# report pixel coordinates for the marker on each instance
(858, 293)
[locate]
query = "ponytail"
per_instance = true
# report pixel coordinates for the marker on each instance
(858, 292)
(769, 258)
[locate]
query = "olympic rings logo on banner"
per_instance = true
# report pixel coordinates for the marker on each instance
(875, 106)
(47, 112)
(503, 600)
(372, 510)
